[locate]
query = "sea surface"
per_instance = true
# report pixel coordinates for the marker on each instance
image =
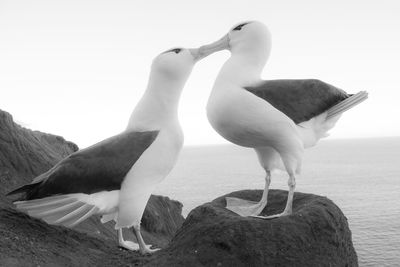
(362, 176)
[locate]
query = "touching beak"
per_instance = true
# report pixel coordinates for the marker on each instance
(206, 50)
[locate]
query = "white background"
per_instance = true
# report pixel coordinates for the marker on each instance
(77, 68)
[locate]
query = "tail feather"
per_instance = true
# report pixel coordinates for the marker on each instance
(43, 202)
(344, 108)
(60, 210)
(50, 210)
(78, 219)
(316, 128)
(313, 130)
(72, 215)
(69, 216)
(347, 104)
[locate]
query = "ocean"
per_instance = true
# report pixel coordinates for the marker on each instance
(362, 176)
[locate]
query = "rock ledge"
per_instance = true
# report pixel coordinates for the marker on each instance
(316, 234)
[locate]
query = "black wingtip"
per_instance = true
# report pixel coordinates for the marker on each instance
(22, 189)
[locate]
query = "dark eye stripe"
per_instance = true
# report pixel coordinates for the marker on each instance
(176, 50)
(239, 27)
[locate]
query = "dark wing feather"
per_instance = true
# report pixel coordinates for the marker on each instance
(300, 100)
(100, 167)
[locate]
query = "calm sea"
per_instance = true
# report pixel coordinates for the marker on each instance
(362, 176)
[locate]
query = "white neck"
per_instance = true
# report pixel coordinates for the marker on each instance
(244, 67)
(159, 104)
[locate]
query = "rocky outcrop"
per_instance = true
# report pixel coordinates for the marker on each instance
(25, 154)
(29, 242)
(317, 234)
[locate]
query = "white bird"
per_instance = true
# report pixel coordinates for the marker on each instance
(278, 118)
(115, 178)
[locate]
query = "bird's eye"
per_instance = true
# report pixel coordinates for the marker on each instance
(176, 50)
(239, 27)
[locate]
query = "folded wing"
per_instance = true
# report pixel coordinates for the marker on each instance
(300, 100)
(101, 167)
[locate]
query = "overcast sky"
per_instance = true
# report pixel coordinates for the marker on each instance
(77, 68)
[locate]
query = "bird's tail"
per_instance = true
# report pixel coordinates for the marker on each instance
(346, 104)
(313, 130)
(67, 210)
(318, 127)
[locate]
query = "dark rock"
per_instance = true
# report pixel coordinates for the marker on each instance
(24, 154)
(30, 242)
(317, 234)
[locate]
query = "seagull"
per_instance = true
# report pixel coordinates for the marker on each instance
(279, 119)
(115, 177)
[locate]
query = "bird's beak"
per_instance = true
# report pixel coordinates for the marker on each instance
(206, 50)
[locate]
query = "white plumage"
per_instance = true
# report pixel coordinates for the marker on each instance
(115, 178)
(278, 118)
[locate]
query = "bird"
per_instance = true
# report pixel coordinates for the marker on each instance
(279, 119)
(115, 177)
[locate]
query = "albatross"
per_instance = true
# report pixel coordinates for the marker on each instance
(278, 118)
(115, 177)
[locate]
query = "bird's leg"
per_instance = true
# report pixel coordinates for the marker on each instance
(144, 249)
(129, 245)
(289, 202)
(250, 208)
(264, 198)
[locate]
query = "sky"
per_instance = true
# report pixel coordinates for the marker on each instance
(78, 68)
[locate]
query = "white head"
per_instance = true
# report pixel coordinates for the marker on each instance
(250, 46)
(169, 73)
(175, 65)
(252, 36)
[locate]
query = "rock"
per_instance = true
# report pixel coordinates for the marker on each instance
(316, 234)
(30, 242)
(25, 154)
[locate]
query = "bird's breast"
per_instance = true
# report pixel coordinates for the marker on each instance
(159, 159)
(244, 119)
